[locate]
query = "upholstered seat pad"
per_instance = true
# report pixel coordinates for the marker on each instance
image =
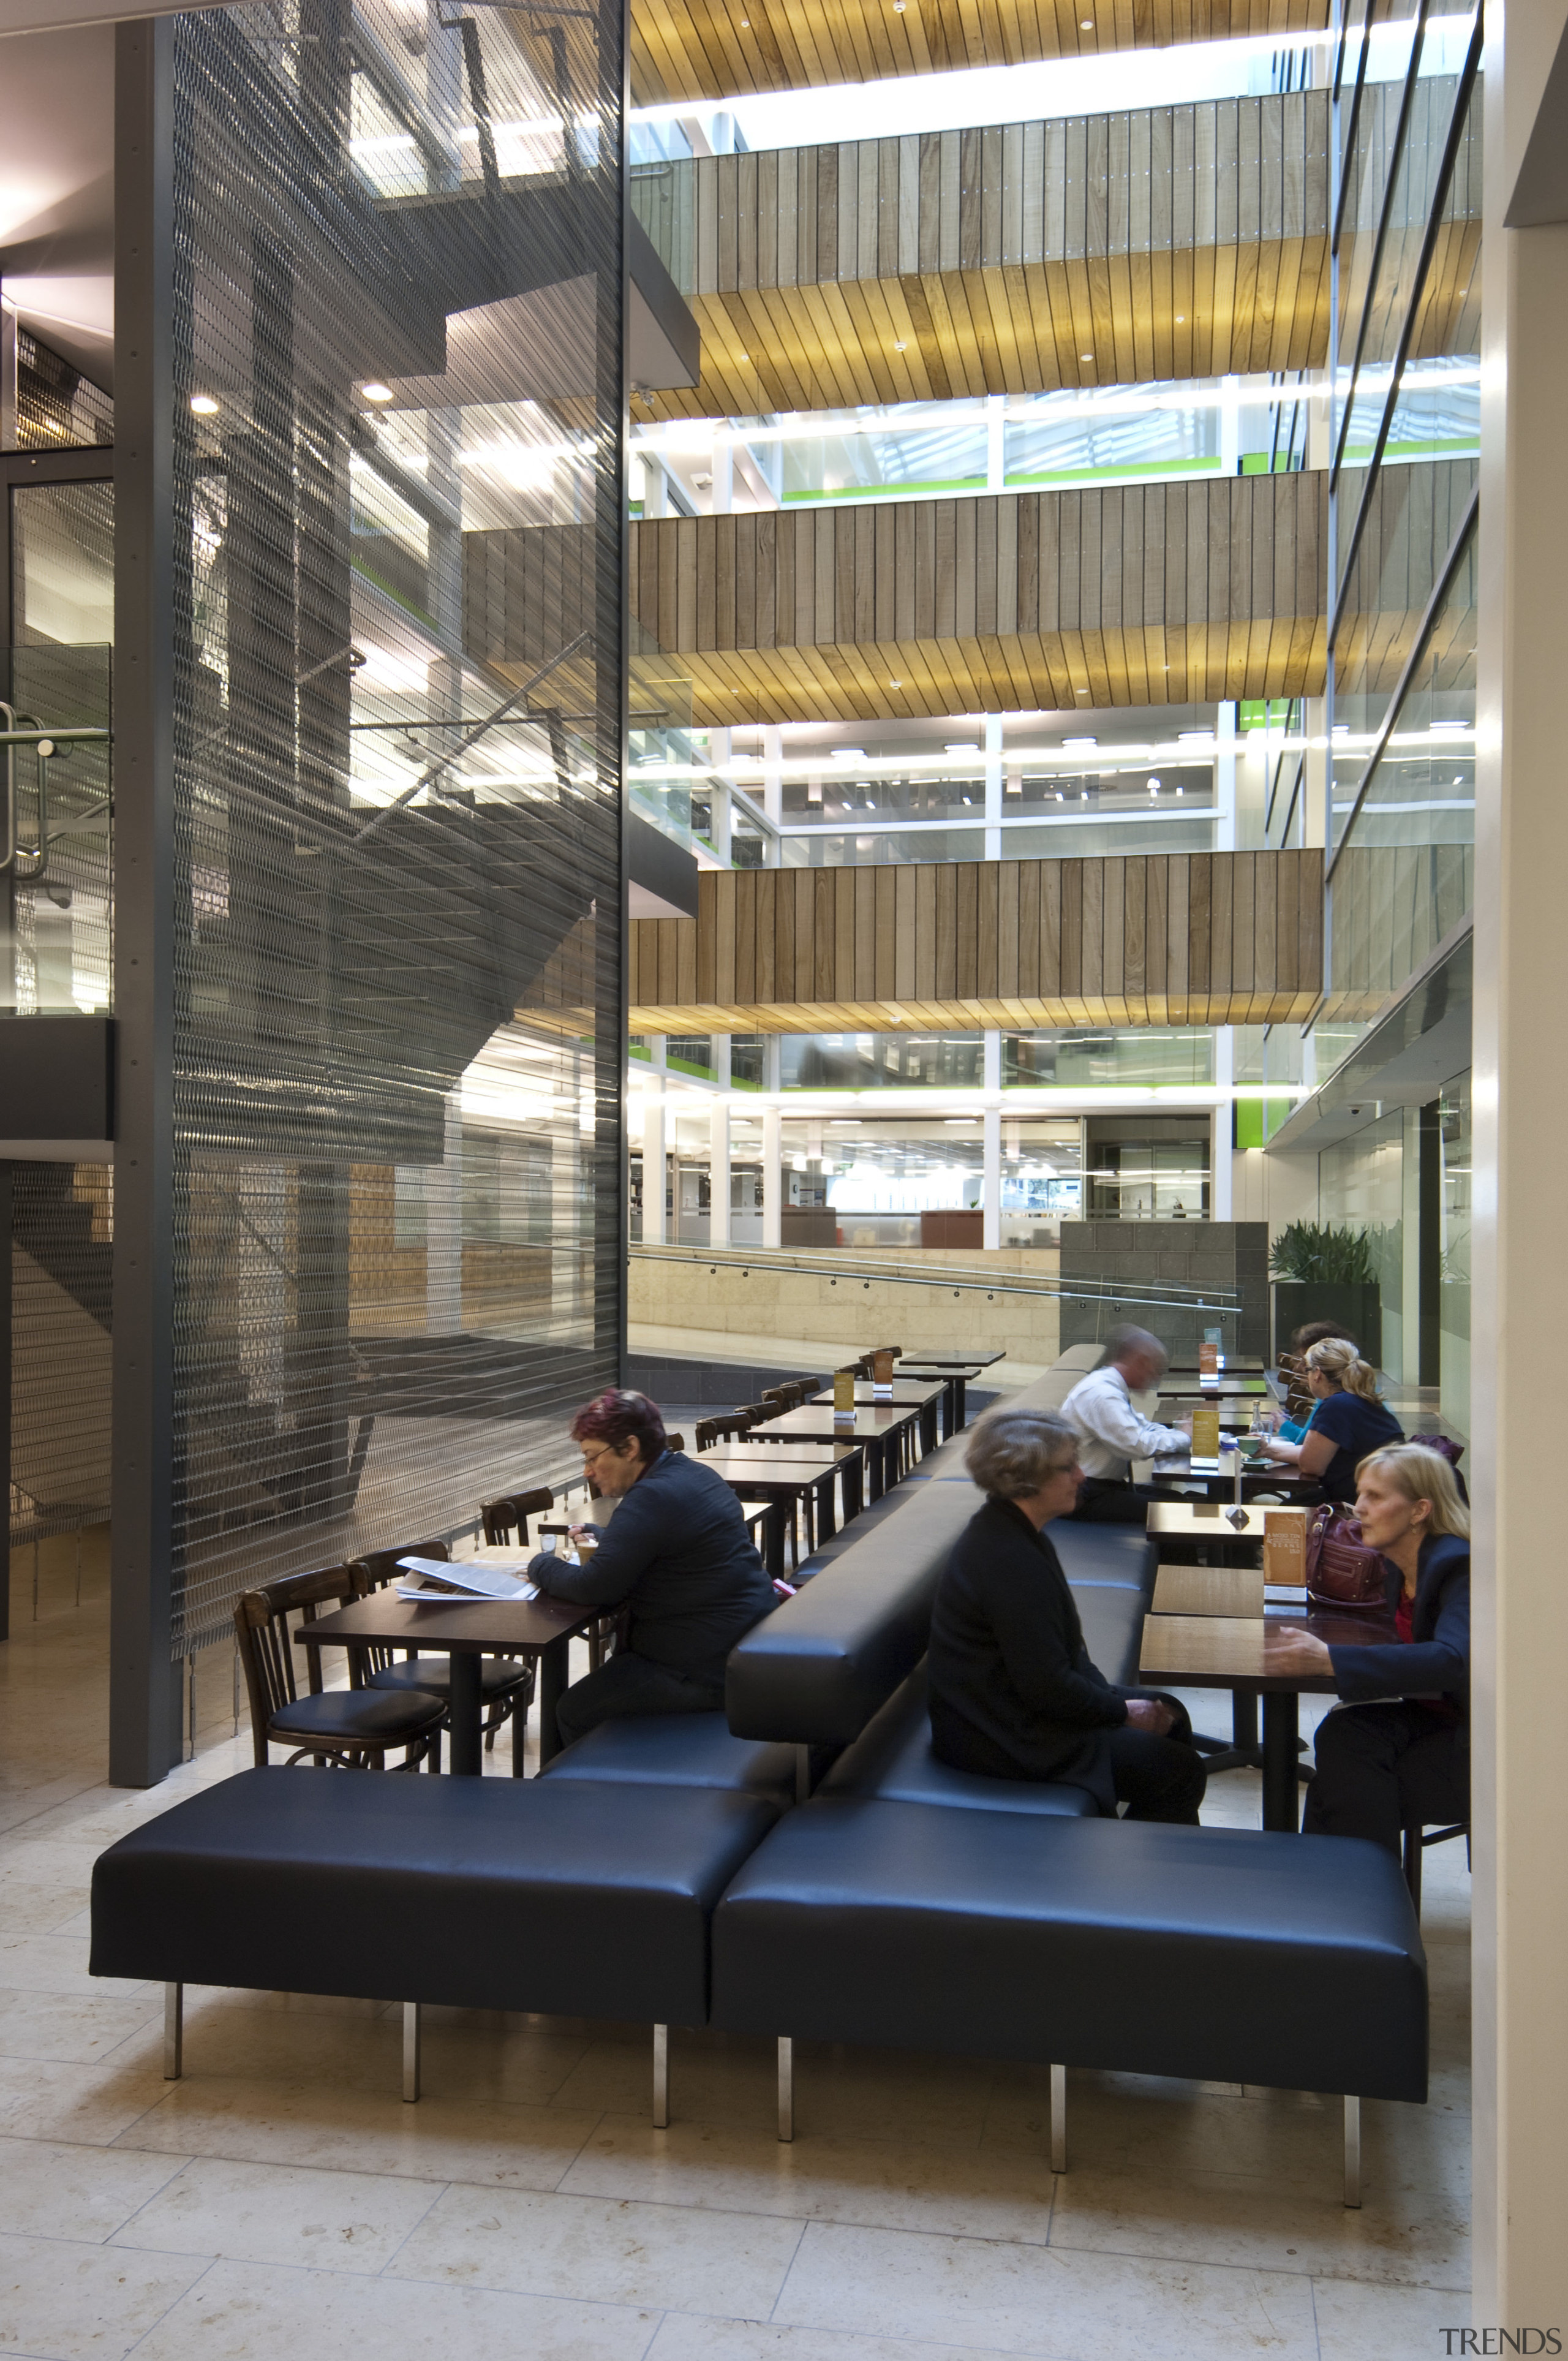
(498, 1675)
(1214, 1953)
(551, 1894)
(680, 1749)
(367, 1715)
(892, 1758)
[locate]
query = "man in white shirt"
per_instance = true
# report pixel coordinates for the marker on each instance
(1113, 1433)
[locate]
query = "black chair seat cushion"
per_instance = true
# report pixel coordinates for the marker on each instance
(1212, 1953)
(679, 1749)
(546, 1895)
(499, 1675)
(358, 1717)
(892, 1758)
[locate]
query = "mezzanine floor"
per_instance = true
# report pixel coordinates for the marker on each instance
(282, 2199)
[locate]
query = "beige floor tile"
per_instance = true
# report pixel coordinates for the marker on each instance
(1382, 2323)
(357, 2131)
(58, 1963)
(248, 2311)
(75, 2192)
(1040, 2300)
(282, 2214)
(683, 2338)
(28, 1909)
(651, 2256)
(886, 2184)
(68, 2032)
(92, 2103)
(67, 2302)
(1404, 2238)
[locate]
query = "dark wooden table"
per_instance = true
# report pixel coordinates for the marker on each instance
(955, 1376)
(464, 1630)
(949, 1360)
(881, 1430)
(1258, 1474)
(906, 1394)
(1218, 1651)
(1227, 1388)
(786, 1475)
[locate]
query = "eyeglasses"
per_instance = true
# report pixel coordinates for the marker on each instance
(591, 1457)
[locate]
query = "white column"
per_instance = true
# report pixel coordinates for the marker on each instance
(654, 1228)
(1519, 1279)
(1315, 785)
(991, 1143)
(1230, 425)
(992, 786)
(718, 1148)
(995, 441)
(722, 500)
(773, 773)
(1320, 422)
(1221, 1172)
(1225, 778)
(444, 1229)
(773, 1177)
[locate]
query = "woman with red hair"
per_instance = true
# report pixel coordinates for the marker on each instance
(676, 1556)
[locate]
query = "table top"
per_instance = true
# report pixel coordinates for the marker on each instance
(1236, 1365)
(950, 1361)
(474, 1627)
(869, 1425)
(905, 1391)
(778, 1470)
(1208, 1590)
(946, 1370)
(1226, 1388)
(804, 1454)
(1227, 1651)
(1210, 1520)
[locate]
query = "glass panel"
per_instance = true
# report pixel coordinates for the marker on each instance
(860, 851)
(866, 1061)
(62, 564)
(1361, 1183)
(1097, 1058)
(1455, 1118)
(1148, 1179)
(1368, 164)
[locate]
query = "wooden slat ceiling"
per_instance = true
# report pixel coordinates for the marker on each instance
(1170, 243)
(1173, 939)
(696, 48)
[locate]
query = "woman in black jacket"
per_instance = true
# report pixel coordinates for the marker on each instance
(1403, 1762)
(1014, 1694)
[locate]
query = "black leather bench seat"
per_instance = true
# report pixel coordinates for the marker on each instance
(553, 1894)
(1212, 1953)
(892, 1758)
(679, 1749)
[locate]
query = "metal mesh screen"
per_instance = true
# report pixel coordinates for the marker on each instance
(398, 1019)
(62, 1224)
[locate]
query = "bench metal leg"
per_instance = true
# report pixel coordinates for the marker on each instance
(661, 2077)
(410, 2052)
(1058, 2118)
(173, 2032)
(1353, 2152)
(786, 2087)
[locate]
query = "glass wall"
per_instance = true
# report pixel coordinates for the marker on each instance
(1453, 1285)
(399, 763)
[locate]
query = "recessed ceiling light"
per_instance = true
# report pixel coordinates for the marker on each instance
(204, 405)
(960, 746)
(1078, 745)
(901, 347)
(1180, 319)
(377, 391)
(1086, 356)
(1086, 24)
(742, 356)
(895, 684)
(847, 753)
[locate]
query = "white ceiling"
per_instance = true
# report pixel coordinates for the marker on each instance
(57, 196)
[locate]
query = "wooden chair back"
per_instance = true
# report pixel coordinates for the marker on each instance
(500, 1520)
(757, 1413)
(675, 1442)
(267, 1648)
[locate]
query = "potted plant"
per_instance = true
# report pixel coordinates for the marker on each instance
(1321, 1272)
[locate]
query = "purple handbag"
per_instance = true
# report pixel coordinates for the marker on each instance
(1343, 1571)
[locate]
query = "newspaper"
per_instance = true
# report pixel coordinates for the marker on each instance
(446, 1579)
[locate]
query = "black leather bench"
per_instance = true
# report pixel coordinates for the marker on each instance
(1212, 1953)
(556, 1895)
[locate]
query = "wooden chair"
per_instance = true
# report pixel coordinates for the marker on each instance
(675, 1442)
(501, 1520)
(506, 1683)
(348, 1728)
(757, 1413)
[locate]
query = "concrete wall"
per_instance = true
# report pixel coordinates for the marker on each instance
(1218, 1255)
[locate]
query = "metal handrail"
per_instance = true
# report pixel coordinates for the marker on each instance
(23, 733)
(836, 1264)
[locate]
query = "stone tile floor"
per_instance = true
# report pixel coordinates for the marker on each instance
(282, 2199)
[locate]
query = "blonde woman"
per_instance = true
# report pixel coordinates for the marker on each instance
(1403, 1760)
(1348, 1422)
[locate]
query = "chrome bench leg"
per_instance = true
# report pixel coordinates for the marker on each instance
(173, 2032)
(410, 2052)
(1058, 2118)
(1352, 2151)
(786, 2087)
(661, 2077)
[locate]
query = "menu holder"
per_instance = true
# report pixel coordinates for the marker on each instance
(1206, 1435)
(1208, 1360)
(1285, 1548)
(843, 1398)
(882, 1375)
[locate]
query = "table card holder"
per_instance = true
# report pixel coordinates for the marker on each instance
(1208, 1360)
(1285, 1548)
(1206, 1434)
(1215, 1336)
(881, 1376)
(843, 1397)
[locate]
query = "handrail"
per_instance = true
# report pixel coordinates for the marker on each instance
(836, 1264)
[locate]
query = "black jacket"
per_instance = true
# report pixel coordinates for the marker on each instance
(1014, 1694)
(676, 1552)
(1436, 1661)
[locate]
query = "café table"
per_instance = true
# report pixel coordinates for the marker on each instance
(1234, 1652)
(905, 1394)
(464, 1630)
(1226, 1387)
(882, 1431)
(1211, 1522)
(1257, 1476)
(786, 1476)
(1210, 1590)
(956, 1378)
(948, 1359)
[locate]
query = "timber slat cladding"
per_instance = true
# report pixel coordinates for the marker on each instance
(1084, 251)
(694, 48)
(1145, 594)
(1158, 939)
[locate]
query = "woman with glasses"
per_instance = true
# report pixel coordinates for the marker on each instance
(677, 1557)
